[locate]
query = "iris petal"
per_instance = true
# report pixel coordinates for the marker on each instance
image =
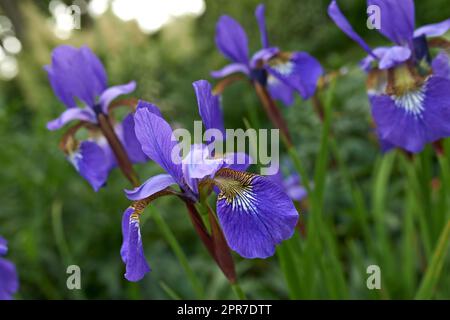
(255, 213)
(231, 40)
(209, 106)
(300, 72)
(91, 162)
(132, 251)
(397, 19)
(158, 142)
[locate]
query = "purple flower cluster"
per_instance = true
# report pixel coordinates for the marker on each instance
(282, 72)
(409, 91)
(79, 80)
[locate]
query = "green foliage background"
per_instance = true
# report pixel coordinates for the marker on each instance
(52, 217)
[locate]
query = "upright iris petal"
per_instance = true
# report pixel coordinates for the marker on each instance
(260, 17)
(255, 213)
(232, 40)
(132, 251)
(397, 19)
(158, 142)
(76, 73)
(209, 106)
(9, 283)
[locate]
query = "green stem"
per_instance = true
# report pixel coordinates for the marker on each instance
(238, 291)
(433, 272)
(176, 248)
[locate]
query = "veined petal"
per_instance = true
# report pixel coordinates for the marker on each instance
(255, 213)
(85, 114)
(150, 187)
(397, 19)
(301, 72)
(132, 250)
(230, 69)
(91, 163)
(259, 13)
(433, 30)
(209, 106)
(9, 282)
(339, 19)
(158, 142)
(416, 118)
(113, 92)
(231, 40)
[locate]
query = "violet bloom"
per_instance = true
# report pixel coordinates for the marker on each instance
(255, 213)
(291, 185)
(78, 78)
(408, 91)
(9, 283)
(282, 72)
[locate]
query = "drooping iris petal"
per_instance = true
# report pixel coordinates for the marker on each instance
(415, 118)
(255, 213)
(397, 19)
(76, 73)
(150, 187)
(132, 250)
(433, 30)
(9, 282)
(209, 106)
(85, 114)
(259, 13)
(113, 92)
(230, 69)
(231, 40)
(90, 161)
(301, 72)
(441, 65)
(280, 91)
(158, 142)
(394, 56)
(339, 19)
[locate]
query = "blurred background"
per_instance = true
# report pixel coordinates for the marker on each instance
(51, 216)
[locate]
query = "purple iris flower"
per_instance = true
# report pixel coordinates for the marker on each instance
(9, 282)
(255, 213)
(291, 185)
(282, 72)
(79, 80)
(408, 90)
